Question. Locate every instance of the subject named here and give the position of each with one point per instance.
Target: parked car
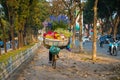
(84, 38)
(105, 40)
(118, 37)
(1, 44)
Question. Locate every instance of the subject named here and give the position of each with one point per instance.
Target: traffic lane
(88, 47)
(100, 51)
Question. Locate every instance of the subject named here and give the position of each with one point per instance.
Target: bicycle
(54, 59)
(54, 51)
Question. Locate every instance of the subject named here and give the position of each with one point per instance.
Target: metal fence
(10, 65)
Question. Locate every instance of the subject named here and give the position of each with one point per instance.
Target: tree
(24, 17)
(70, 6)
(94, 30)
(3, 26)
(23, 13)
(3, 29)
(81, 7)
(38, 12)
(88, 12)
(57, 7)
(9, 9)
(106, 10)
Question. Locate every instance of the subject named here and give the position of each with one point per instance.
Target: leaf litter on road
(70, 66)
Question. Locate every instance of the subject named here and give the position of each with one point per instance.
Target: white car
(84, 38)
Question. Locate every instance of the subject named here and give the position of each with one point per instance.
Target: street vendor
(54, 50)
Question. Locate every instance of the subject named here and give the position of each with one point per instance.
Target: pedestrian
(69, 44)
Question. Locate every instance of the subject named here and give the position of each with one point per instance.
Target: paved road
(102, 51)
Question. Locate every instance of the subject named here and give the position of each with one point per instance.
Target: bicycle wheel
(53, 61)
(114, 51)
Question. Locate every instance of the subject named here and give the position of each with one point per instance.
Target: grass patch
(4, 57)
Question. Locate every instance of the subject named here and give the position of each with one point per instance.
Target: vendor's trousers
(50, 56)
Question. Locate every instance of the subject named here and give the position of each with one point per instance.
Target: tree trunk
(22, 39)
(115, 27)
(11, 20)
(81, 26)
(5, 49)
(31, 33)
(94, 31)
(4, 40)
(21, 31)
(17, 42)
(0, 51)
(73, 27)
(12, 35)
(28, 35)
(4, 34)
(0, 46)
(73, 37)
(74, 31)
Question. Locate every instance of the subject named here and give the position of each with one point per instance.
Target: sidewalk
(70, 66)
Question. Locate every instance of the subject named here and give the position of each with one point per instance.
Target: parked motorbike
(118, 45)
(113, 48)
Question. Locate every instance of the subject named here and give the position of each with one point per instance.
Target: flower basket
(59, 43)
